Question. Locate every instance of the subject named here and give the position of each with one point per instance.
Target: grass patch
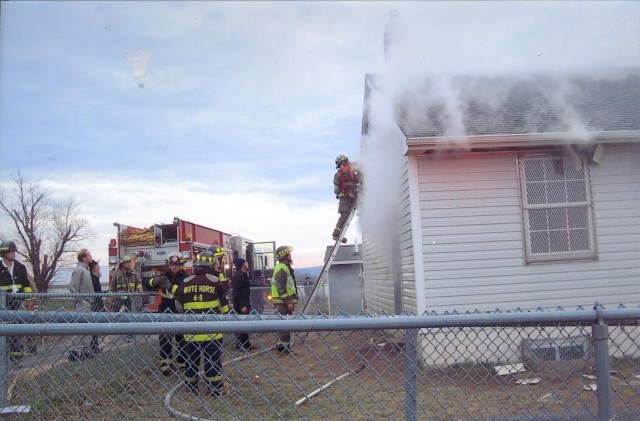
(124, 383)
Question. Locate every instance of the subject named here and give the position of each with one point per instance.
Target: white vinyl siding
(407, 270)
(381, 285)
(378, 288)
(472, 229)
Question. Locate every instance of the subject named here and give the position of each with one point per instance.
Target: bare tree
(47, 229)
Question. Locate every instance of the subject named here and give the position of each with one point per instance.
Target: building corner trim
(416, 234)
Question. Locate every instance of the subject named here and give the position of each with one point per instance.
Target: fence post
(410, 374)
(4, 359)
(600, 332)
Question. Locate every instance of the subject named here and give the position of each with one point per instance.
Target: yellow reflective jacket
(283, 288)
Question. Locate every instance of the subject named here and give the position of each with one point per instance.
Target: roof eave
(420, 145)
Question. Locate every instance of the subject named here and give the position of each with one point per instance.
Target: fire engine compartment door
(264, 255)
(157, 235)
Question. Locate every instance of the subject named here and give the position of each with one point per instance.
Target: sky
(231, 114)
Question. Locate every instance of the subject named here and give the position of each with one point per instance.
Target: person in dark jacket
(167, 284)
(258, 287)
(241, 298)
(94, 270)
(97, 304)
(13, 279)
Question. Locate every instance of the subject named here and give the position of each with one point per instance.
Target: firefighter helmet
(7, 246)
(206, 258)
(218, 251)
(175, 257)
(125, 259)
(282, 252)
(341, 159)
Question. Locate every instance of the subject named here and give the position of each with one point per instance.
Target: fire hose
(174, 412)
(326, 386)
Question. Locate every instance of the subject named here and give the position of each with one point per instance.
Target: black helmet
(205, 258)
(7, 246)
(341, 159)
(218, 251)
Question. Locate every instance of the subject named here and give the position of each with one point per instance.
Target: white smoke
(381, 162)
(418, 91)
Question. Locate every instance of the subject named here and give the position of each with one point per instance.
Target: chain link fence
(542, 365)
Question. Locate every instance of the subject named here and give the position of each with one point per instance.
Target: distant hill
(311, 272)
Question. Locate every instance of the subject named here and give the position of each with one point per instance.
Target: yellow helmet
(282, 252)
(125, 259)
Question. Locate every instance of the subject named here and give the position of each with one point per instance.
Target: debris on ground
(526, 382)
(503, 370)
(549, 396)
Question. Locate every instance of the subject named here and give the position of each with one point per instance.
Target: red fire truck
(149, 247)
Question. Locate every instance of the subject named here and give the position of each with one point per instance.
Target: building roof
(601, 106)
(346, 254)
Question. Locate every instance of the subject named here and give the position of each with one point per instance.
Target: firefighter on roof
(345, 186)
(197, 294)
(13, 279)
(284, 293)
(167, 284)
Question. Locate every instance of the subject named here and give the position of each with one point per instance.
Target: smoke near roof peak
(459, 69)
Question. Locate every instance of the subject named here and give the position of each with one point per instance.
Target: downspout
(416, 234)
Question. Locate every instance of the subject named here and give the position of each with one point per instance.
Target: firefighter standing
(125, 279)
(222, 285)
(13, 279)
(197, 294)
(168, 284)
(284, 293)
(345, 186)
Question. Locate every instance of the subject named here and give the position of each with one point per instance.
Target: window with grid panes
(558, 218)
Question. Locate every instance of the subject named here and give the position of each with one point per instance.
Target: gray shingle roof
(476, 106)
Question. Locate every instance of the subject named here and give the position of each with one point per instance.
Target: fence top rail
(103, 294)
(63, 322)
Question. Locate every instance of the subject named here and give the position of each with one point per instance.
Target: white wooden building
(535, 204)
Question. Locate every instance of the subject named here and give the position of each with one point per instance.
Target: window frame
(556, 256)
